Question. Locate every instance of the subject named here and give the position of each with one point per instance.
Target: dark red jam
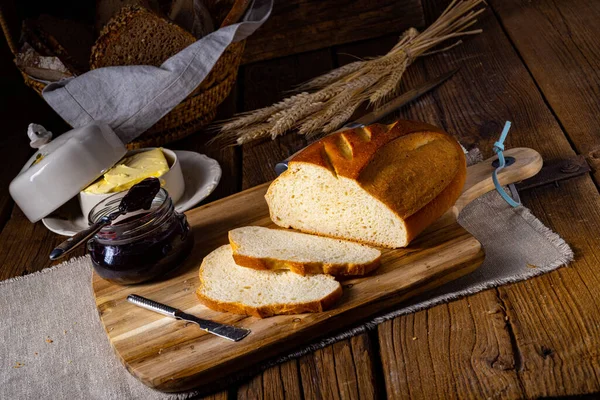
(143, 246)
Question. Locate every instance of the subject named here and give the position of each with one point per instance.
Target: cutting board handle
(528, 162)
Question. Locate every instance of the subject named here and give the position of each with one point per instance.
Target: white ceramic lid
(69, 163)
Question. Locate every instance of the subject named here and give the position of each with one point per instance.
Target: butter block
(129, 171)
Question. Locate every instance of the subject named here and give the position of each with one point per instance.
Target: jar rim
(160, 206)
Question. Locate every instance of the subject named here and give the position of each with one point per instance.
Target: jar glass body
(141, 246)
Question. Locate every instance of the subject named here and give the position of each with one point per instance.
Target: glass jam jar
(142, 245)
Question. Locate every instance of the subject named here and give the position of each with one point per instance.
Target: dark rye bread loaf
(137, 36)
(380, 185)
(106, 9)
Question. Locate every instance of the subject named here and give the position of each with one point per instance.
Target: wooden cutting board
(171, 355)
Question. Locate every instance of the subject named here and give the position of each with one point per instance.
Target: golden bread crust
(272, 264)
(271, 310)
(266, 310)
(415, 169)
(348, 152)
(337, 270)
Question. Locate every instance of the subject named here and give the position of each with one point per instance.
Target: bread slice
(275, 249)
(225, 286)
(380, 185)
(106, 9)
(137, 36)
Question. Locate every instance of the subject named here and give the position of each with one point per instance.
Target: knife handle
(152, 305)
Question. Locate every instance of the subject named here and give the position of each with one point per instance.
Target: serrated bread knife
(225, 331)
(382, 111)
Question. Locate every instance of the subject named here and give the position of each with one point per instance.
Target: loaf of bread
(380, 185)
(137, 36)
(276, 249)
(225, 286)
(106, 9)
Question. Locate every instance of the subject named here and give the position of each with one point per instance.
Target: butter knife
(382, 111)
(225, 331)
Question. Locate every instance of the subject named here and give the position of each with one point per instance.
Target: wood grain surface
(296, 26)
(166, 355)
(536, 65)
(559, 42)
(169, 356)
(496, 337)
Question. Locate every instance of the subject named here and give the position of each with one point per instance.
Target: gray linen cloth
(133, 98)
(54, 346)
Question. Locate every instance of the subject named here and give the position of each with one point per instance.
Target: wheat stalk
(254, 132)
(328, 101)
(285, 120)
(332, 76)
(389, 86)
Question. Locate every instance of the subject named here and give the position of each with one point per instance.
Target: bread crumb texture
(137, 36)
(226, 286)
(263, 248)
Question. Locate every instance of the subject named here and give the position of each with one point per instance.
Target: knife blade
(222, 330)
(382, 111)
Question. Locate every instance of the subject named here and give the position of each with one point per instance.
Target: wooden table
(537, 64)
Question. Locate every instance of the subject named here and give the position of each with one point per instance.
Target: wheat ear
(329, 100)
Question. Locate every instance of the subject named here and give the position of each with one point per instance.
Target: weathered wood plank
(426, 355)
(556, 317)
(511, 95)
(278, 382)
(494, 86)
(344, 370)
(217, 396)
(297, 26)
(558, 40)
(26, 246)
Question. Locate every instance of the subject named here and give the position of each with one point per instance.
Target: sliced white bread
(278, 249)
(225, 286)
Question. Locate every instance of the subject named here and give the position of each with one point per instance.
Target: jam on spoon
(140, 196)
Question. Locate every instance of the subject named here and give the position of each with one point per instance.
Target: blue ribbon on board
(498, 149)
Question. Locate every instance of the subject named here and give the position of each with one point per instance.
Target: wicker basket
(196, 111)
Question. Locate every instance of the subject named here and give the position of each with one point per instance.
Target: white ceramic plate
(201, 176)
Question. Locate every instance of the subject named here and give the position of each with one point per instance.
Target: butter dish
(201, 176)
(59, 170)
(171, 180)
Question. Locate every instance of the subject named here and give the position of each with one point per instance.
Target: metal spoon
(139, 197)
